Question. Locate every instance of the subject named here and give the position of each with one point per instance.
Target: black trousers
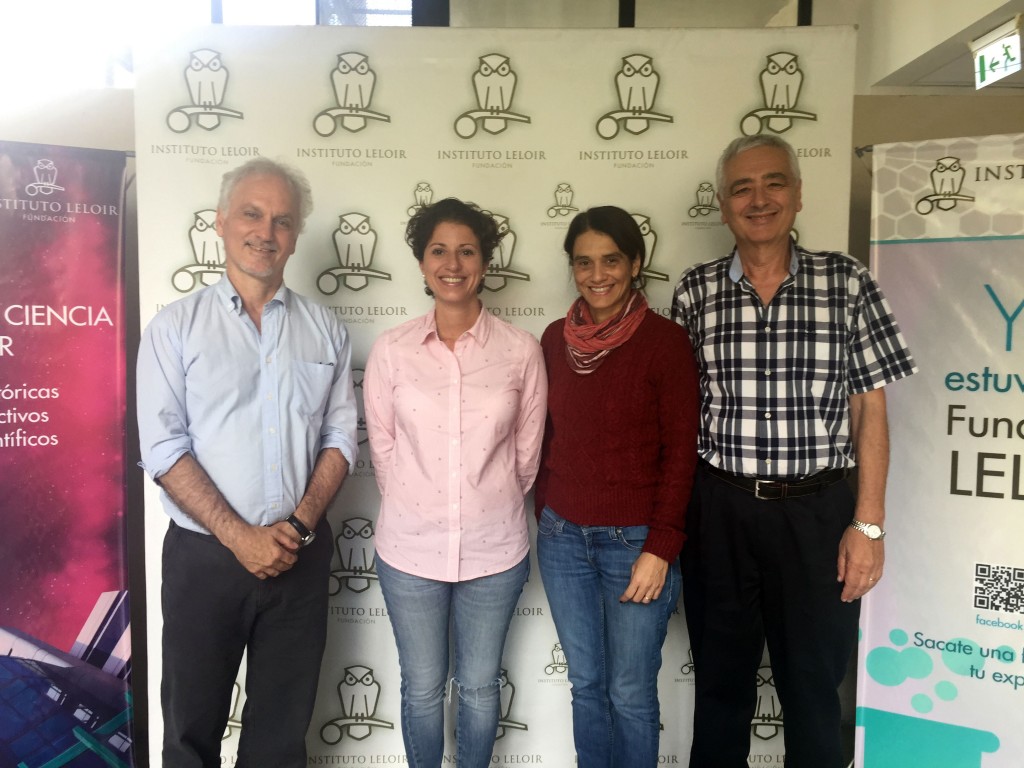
(759, 571)
(213, 610)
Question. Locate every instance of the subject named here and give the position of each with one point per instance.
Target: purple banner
(64, 644)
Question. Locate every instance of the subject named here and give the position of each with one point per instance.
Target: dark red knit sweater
(620, 446)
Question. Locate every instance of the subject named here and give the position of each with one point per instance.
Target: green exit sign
(995, 59)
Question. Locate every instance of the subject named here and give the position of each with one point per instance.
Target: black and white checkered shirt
(775, 381)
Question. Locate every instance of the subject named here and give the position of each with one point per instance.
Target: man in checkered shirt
(794, 348)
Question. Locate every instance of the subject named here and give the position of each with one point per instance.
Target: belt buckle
(768, 483)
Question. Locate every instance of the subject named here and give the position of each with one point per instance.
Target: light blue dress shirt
(254, 408)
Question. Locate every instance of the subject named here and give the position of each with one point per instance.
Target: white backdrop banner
(942, 656)
(533, 125)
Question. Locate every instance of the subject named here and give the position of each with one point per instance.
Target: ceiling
(952, 64)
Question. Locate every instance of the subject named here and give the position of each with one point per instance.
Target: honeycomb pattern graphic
(905, 205)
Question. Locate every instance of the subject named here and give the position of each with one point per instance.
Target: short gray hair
(262, 166)
(743, 143)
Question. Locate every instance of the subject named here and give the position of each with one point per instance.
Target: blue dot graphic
(921, 703)
(945, 690)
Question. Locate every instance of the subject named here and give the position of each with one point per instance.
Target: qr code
(999, 587)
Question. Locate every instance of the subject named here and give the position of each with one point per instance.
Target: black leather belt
(779, 489)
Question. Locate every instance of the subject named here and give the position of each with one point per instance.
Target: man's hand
(860, 564)
(265, 551)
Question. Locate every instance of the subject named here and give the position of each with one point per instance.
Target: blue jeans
(479, 612)
(613, 649)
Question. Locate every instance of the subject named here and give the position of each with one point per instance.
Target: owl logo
(423, 195)
(494, 84)
(356, 556)
(637, 84)
(357, 383)
(234, 722)
(563, 201)
(650, 243)
(507, 694)
(705, 200)
(206, 243)
(358, 693)
(781, 80)
(687, 668)
(207, 79)
(767, 721)
(500, 271)
(558, 662)
(947, 179)
(207, 253)
(45, 173)
(353, 82)
(354, 243)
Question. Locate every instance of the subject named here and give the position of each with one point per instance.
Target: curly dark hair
(421, 226)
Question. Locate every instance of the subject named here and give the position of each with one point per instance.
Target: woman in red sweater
(620, 448)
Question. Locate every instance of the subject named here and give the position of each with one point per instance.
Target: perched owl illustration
(780, 81)
(423, 193)
(206, 243)
(508, 693)
(494, 83)
(947, 178)
(207, 78)
(354, 241)
(767, 721)
(353, 82)
(503, 253)
(45, 172)
(355, 551)
(357, 384)
(650, 236)
(563, 195)
(358, 693)
(637, 83)
(705, 194)
(558, 656)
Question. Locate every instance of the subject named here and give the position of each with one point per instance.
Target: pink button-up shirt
(455, 439)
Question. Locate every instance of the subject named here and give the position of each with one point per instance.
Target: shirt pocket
(311, 387)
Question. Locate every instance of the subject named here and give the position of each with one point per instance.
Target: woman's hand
(648, 578)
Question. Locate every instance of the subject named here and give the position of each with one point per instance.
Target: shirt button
(767, 372)
(273, 467)
(272, 431)
(767, 461)
(270, 358)
(767, 415)
(768, 329)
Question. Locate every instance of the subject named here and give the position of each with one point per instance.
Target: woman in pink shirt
(455, 409)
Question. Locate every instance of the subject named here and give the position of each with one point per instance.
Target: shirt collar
(736, 268)
(233, 302)
(481, 329)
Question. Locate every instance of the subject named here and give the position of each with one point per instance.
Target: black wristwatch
(306, 536)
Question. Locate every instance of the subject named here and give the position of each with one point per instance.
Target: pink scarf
(588, 344)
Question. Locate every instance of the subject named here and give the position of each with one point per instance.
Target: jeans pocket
(632, 537)
(550, 524)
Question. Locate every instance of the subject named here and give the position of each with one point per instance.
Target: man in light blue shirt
(247, 422)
